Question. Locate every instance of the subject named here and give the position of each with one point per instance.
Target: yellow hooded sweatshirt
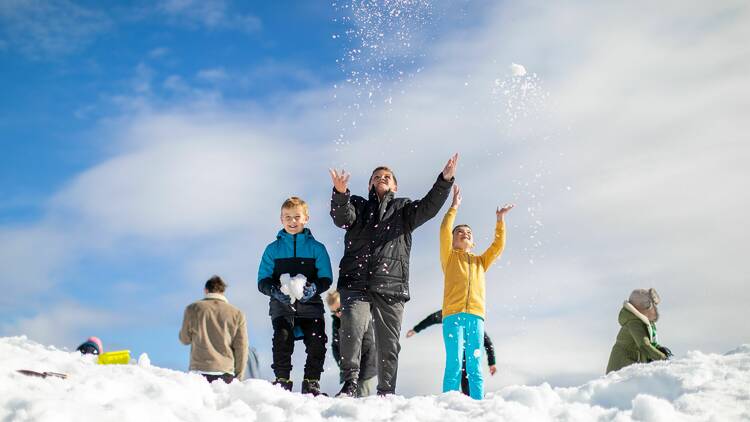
(464, 271)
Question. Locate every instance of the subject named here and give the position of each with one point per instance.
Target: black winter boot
(312, 387)
(348, 390)
(284, 383)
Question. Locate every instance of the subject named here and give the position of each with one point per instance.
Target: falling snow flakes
(521, 95)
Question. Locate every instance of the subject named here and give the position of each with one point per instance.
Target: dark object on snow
(312, 387)
(348, 390)
(45, 374)
(437, 318)
(92, 346)
(284, 383)
(664, 349)
(227, 378)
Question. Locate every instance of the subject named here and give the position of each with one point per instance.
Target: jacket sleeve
(639, 332)
(265, 272)
(496, 248)
(186, 336)
(446, 236)
(432, 319)
(343, 212)
(420, 211)
(490, 349)
(323, 267)
(240, 347)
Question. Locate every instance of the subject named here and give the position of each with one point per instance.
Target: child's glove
(664, 349)
(281, 297)
(308, 292)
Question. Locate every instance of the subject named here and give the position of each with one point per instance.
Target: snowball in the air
(517, 69)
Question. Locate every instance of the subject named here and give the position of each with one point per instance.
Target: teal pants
(463, 333)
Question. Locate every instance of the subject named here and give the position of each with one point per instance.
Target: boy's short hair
(459, 226)
(333, 297)
(386, 168)
(215, 285)
(295, 201)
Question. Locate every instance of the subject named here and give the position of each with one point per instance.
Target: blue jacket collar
(305, 234)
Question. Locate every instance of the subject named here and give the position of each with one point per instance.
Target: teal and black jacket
(295, 254)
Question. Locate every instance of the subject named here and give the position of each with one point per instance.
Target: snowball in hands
(293, 286)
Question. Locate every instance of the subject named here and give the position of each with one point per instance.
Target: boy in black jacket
(295, 252)
(374, 271)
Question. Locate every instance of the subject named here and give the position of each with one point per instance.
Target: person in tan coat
(217, 334)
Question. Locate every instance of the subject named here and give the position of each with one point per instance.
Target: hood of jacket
(629, 313)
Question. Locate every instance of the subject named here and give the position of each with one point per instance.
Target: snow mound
(697, 387)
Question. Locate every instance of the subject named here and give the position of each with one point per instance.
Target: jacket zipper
(295, 244)
(468, 292)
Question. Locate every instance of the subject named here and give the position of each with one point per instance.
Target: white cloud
(212, 75)
(49, 28)
(158, 52)
(211, 14)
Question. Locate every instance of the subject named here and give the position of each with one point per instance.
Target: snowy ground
(699, 387)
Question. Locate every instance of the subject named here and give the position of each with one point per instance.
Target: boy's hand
(410, 333)
(449, 171)
(504, 210)
(493, 369)
(340, 180)
(456, 197)
(281, 297)
(308, 292)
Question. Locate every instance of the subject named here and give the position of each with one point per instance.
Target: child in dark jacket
(295, 252)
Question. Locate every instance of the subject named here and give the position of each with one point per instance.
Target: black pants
(314, 337)
(227, 378)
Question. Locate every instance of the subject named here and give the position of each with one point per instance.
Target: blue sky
(148, 145)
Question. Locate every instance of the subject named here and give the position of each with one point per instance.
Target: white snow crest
(698, 387)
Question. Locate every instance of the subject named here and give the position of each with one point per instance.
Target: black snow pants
(314, 337)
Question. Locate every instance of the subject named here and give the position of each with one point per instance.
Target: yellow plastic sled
(117, 357)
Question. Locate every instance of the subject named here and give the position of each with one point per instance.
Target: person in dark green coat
(636, 342)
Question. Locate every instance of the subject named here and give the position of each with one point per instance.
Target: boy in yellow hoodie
(463, 296)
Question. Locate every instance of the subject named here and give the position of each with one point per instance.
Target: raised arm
(446, 227)
(343, 212)
(498, 243)
(420, 211)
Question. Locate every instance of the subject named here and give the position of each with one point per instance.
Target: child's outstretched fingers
(340, 180)
(504, 210)
(456, 197)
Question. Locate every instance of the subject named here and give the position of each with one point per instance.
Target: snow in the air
(699, 387)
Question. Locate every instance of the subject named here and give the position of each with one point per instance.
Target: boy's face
(294, 219)
(463, 238)
(383, 182)
(336, 308)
